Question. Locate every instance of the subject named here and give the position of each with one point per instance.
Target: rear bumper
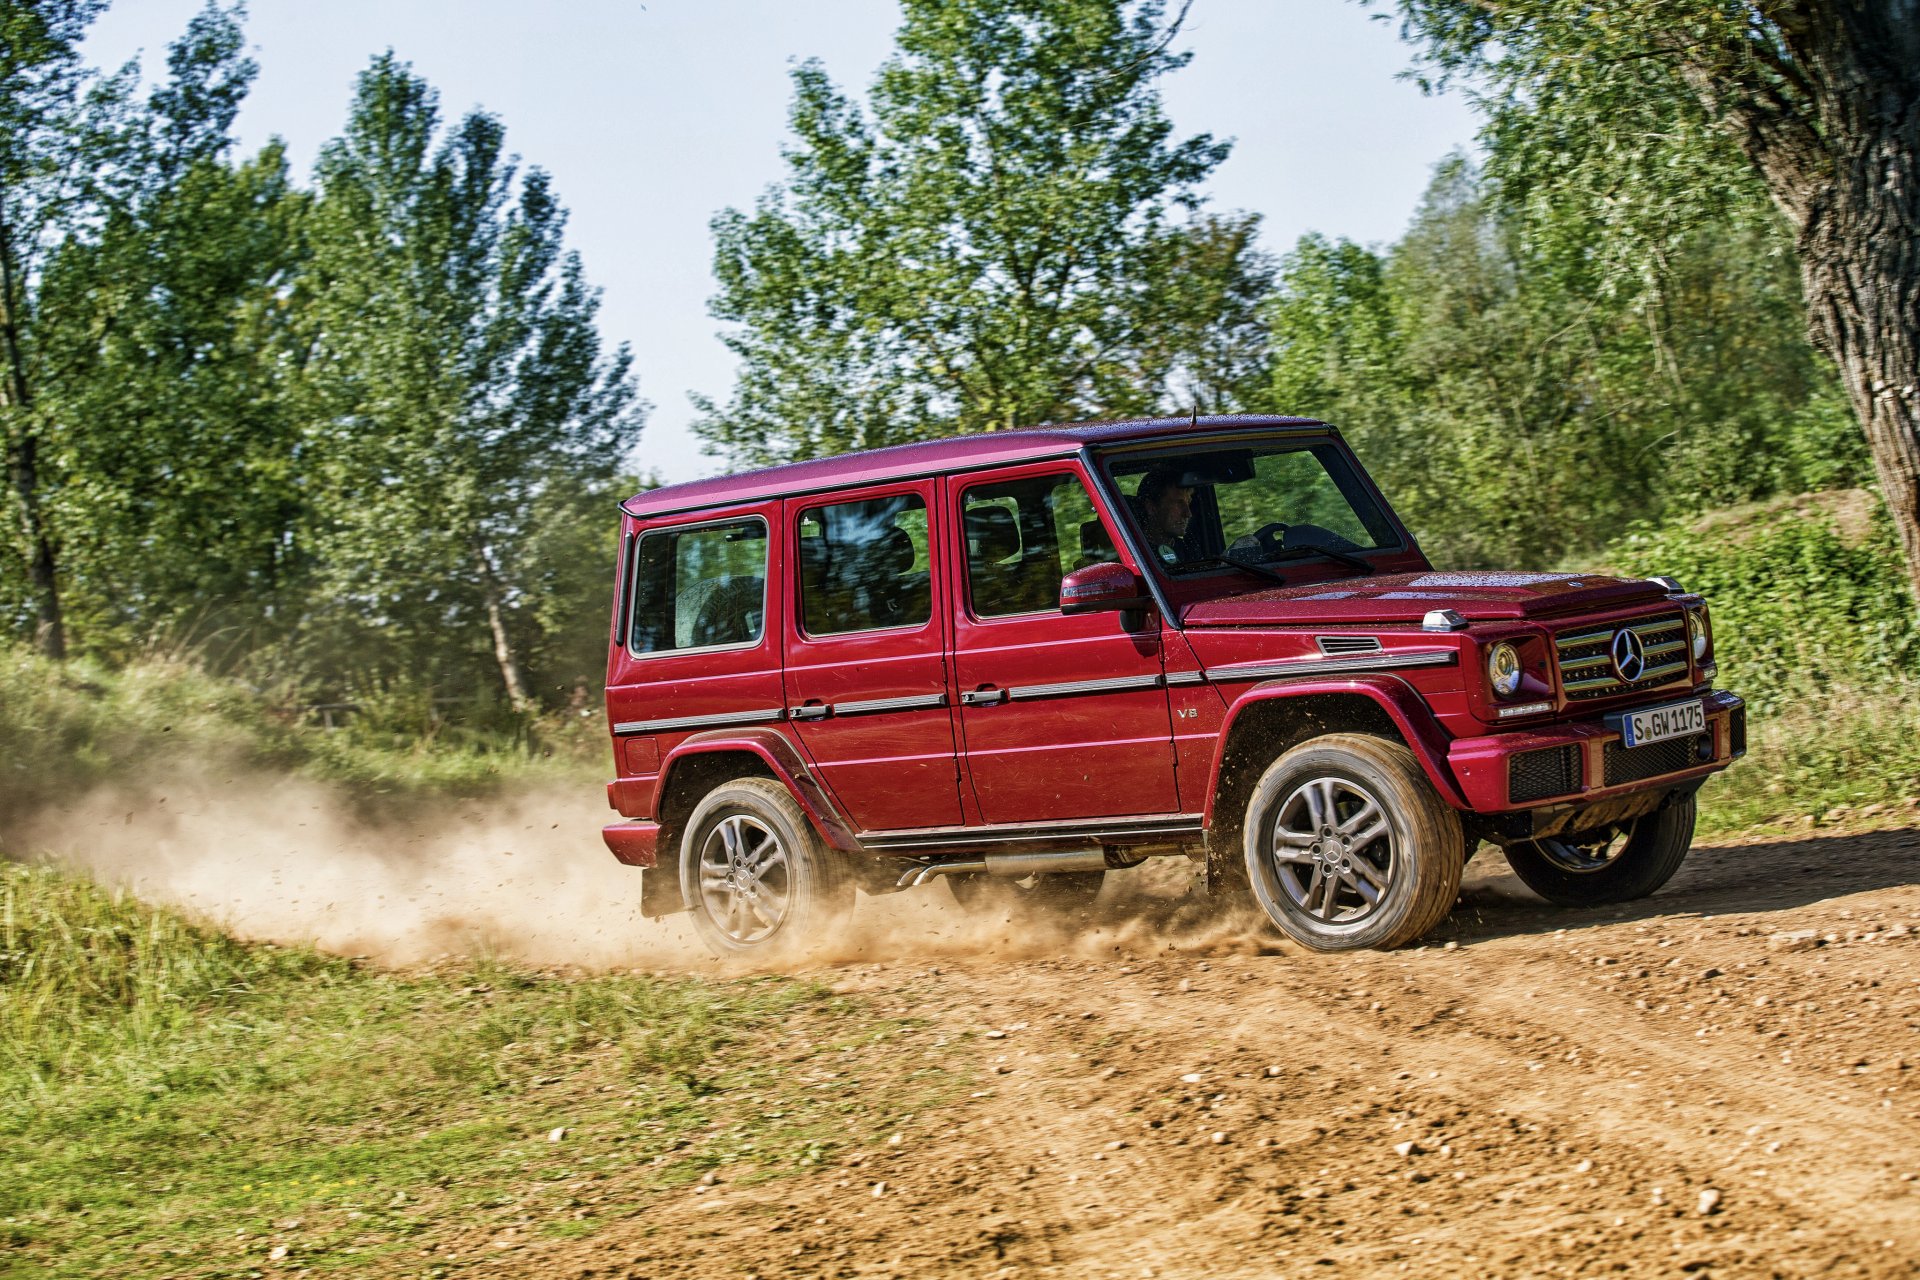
(1584, 760)
(635, 843)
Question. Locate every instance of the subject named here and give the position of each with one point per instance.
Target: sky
(654, 116)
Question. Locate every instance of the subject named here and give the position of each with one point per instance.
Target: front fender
(788, 767)
(1393, 695)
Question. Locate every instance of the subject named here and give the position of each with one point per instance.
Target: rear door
(866, 674)
(1061, 717)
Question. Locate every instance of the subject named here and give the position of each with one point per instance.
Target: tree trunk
(23, 461)
(1860, 264)
(503, 651)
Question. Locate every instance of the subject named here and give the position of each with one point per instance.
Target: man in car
(1166, 508)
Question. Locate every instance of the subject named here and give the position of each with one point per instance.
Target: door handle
(983, 697)
(814, 710)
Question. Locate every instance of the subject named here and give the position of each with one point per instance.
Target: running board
(1096, 831)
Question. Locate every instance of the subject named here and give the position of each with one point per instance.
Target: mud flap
(1226, 867)
(660, 892)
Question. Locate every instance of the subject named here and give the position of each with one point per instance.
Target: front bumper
(1584, 760)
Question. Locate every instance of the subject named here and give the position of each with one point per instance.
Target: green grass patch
(66, 727)
(174, 1101)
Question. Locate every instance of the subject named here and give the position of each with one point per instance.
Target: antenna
(1196, 413)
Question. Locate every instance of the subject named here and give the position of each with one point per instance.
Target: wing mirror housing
(1103, 588)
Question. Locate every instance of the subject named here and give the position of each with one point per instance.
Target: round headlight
(1503, 669)
(1697, 628)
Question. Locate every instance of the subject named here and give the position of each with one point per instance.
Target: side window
(1023, 536)
(700, 587)
(863, 566)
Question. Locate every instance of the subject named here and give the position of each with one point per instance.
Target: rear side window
(863, 566)
(1023, 536)
(700, 588)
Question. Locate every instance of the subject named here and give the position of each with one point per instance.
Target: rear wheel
(758, 878)
(1616, 863)
(1349, 846)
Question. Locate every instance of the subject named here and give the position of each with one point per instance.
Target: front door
(1061, 717)
(866, 674)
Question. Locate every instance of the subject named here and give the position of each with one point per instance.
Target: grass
(173, 1101)
(65, 727)
(1835, 754)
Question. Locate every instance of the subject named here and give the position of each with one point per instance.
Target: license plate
(1657, 724)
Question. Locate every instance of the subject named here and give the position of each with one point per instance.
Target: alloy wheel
(1332, 850)
(746, 879)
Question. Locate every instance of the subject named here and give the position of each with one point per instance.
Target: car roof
(933, 457)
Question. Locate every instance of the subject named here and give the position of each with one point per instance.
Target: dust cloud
(525, 878)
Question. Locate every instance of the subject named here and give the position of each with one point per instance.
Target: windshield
(1196, 506)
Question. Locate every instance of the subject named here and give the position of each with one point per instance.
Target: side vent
(1340, 646)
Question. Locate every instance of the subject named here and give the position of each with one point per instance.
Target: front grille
(1536, 775)
(1586, 658)
(1632, 764)
(1737, 732)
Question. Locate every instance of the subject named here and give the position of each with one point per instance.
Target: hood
(1408, 597)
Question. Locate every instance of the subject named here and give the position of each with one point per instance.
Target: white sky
(653, 116)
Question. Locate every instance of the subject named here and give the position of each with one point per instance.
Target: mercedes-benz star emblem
(1629, 656)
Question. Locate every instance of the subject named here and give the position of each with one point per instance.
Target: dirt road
(1724, 1080)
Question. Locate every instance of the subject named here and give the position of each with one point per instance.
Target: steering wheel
(1266, 539)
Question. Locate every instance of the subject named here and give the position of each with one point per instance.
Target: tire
(1360, 806)
(1616, 864)
(758, 878)
(1066, 893)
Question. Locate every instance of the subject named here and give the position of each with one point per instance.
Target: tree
(1653, 115)
(1477, 357)
(161, 329)
(458, 378)
(45, 116)
(1006, 234)
(124, 249)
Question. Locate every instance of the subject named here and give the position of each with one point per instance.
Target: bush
(1801, 605)
(1815, 627)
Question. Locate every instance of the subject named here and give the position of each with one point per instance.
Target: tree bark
(504, 653)
(23, 460)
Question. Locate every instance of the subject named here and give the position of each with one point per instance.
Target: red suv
(1020, 660)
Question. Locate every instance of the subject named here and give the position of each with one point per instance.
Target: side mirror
(1103, 588)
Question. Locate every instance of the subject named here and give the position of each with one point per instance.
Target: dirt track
(1577, 1089)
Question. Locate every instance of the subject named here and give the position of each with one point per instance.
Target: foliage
(1007, 233)
(1813, 626)
(423, 1101)
(1472, 361)
(1799, 608)
(1654, 122)
(457, 376)
(332, 438)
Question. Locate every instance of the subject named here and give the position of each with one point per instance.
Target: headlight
(1697, 628)
(1503, 669)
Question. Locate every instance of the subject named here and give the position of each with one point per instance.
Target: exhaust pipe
(1014, 866)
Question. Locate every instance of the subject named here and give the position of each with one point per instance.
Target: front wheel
(1349, 846)
(758, 878)
(1618, 863)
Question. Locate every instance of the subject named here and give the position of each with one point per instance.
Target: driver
(1166, 508)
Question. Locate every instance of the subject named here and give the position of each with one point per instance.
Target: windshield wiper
(1208, 562)
(1316, 548)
